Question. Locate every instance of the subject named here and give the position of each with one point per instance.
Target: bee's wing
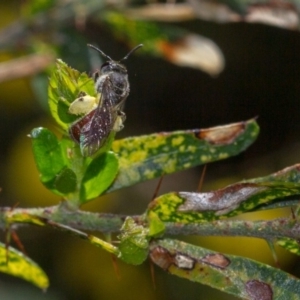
(94, 133)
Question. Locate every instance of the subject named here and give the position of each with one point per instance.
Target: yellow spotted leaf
(151, 156)
(19, 265)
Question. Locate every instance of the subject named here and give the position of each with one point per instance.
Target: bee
(103, 113)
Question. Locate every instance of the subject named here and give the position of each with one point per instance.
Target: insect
(102, 114)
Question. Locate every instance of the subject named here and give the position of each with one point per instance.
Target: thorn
(14, 206)
(152, 271)
(199, 188)
(8, 234)
(18, 242)
(115, 265)
(157, 187)
(107, 237)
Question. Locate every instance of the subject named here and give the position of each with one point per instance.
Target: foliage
(78, 179)
(122, 163)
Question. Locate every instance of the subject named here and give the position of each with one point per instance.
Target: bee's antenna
(130, 52)
(105, 55)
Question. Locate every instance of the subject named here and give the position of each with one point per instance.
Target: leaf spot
(184, 262)
(221, 135)
(162, 257)
(216, 260)
(258, 290)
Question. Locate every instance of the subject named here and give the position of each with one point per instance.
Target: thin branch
(25, 66)
(272, 229)
(81, 220)
(105, 223)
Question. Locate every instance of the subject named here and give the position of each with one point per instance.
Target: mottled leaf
(238, 276)
(98, 176)
(189, 207)
(64, 87)
(290, 174)
(19, 265)
(289, 244)
(151, 156)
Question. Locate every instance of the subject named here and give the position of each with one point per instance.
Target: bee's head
(112, 65)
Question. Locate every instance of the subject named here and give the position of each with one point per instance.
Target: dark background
(261, 79)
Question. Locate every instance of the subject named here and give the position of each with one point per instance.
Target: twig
(82, 220)
(271, 229)
(25, 66)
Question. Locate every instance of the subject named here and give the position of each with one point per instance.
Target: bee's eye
(105, 65)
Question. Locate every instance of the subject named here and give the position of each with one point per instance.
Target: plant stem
(106, 223)
(76, 219)
(271, 229)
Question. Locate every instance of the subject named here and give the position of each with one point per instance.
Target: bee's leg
(119, 121)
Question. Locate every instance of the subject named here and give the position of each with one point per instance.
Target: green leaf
(66, 181)
(99, 175)
(47, 154)
(238, 276)
(52, 162)
(151, 156)
(21, 266)
(64, 87)
(134, 242)
(156, 226)
(65, 172)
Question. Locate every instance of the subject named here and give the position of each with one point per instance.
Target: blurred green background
(261, 78)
